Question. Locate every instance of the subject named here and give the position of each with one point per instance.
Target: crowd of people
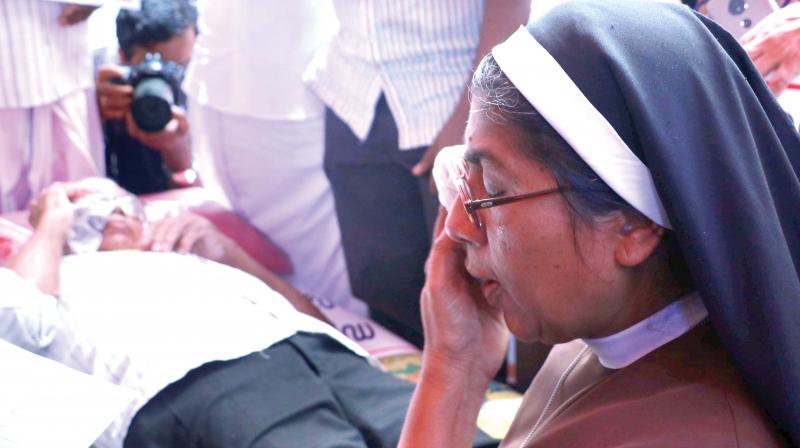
(614, 179)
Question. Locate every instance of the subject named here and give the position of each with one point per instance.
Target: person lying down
(212, 344)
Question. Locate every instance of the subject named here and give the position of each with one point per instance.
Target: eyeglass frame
(471, 206)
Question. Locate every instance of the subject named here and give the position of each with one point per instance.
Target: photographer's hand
(114, 99)
(172, 141)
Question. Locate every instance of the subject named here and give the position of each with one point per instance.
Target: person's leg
(271, 172)
(270, 399)
(14, 153)
(64, 147)
(384, 231)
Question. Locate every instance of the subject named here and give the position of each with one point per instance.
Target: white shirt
(250, 56)
(143, 320)
(41, 61)
(419, 55)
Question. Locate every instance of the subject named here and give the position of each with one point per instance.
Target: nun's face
(553, 280)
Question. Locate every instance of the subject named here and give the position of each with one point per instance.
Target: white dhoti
(271, 172)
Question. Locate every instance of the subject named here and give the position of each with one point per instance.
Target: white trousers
(61, 141)
(271, 172)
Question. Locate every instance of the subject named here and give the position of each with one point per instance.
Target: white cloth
(265, 45)
(40, 60)
(27, 317)
(444, 174)
(260, 139)
(143, 320)
(418, 54)
(626, 347)
(60, 141)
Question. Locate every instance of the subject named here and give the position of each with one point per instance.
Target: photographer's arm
(172, 142)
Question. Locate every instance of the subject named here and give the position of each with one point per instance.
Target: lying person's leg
(374, 401)
(272, 398)
(305, 391)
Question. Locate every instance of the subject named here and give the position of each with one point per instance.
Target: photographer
(147, 159)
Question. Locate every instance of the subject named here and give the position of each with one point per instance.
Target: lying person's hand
(774, 47)
(461, 328)
(53, 212)
(114, 99)
(187, 232)
(74, 191)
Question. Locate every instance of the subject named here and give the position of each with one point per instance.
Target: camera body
(156, 86)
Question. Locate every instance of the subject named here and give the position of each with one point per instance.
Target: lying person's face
(123, 231)
(553, 278)
(120, 219)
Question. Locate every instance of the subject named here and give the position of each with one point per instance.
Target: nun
(628, 192)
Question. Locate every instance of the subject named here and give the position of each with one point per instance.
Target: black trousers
(386, 216)
(307, 391)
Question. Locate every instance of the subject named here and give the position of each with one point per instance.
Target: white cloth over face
(418, 54)
(143, 320)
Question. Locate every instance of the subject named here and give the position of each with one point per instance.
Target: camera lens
(152, 104)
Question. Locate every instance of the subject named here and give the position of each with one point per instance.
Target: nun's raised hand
(462, 331)
(774, 47)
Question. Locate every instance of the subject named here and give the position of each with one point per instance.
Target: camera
(156, 86)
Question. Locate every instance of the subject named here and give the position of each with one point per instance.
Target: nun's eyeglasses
(471, 206)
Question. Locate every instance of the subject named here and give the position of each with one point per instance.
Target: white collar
(624, 348)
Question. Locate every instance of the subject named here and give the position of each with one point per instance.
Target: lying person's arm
(39, 259)
(31, 318)
(191, 233)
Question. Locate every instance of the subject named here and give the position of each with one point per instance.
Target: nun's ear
(637, 239)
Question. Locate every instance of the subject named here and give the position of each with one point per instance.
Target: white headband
(551, 91)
